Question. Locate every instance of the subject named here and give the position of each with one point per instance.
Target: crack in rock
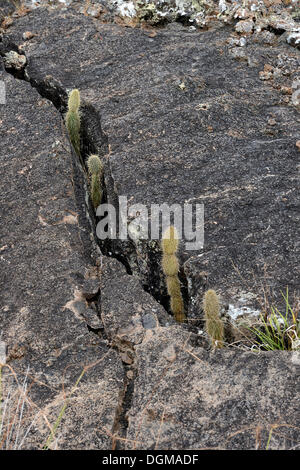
(87, 302)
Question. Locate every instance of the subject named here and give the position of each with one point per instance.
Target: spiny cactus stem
(72, 119)
(213, 323)
(95, 165)
(96, 171)
(170, 266)
(96, 192)
(74, 100)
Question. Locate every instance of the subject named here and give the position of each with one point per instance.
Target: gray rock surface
(187, 144)
(184, 117)
(43, 268)
(189, 398)
(121, 298)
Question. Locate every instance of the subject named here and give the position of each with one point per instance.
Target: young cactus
(96, 171)
(170, 268)
(72, 119)
(213, 323)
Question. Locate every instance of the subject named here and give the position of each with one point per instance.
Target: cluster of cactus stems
(72, 119)
(96, 171)
(170, 268)
(213, 323)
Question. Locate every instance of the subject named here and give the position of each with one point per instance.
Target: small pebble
(287, 90)
(244, 26)
(28, 35)
(130, 374)
(265, 75)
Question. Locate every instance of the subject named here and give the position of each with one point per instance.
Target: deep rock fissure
(121, 422)
(90, 120)
(93, 140)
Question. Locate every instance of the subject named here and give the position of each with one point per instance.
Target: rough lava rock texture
(188, 122)
(281, 16)
(189, 398)
(44, 263)
(177, 116)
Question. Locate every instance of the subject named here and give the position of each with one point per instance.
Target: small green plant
(213, 323)
(72, 119)
(278, 331)
(170, 268)
(96, 171)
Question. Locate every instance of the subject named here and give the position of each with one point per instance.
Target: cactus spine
(170, 268)
(96, 171)
(73, 119)
(213, 323)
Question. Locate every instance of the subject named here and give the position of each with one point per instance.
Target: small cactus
(213, 323)
(96, 171)
(170, 268)
(74, 100)
(72, 119)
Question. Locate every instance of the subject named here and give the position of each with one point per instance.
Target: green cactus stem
(170, 266)
(213, 323)
(72, 119)
(96, 171)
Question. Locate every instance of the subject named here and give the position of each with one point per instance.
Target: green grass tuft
(278, 331)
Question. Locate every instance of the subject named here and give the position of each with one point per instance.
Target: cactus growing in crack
(213, 323)
(96, 171)
(72, 119)
(170, 266)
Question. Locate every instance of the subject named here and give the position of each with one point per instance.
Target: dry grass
(19, 414)
(21, 9)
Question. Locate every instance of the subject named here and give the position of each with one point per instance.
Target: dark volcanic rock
(187, 122)
(188, 398)
(44, 259)
(127, 310)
